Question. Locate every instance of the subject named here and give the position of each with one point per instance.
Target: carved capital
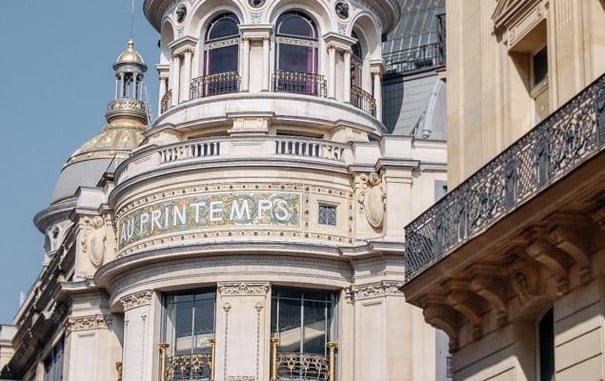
(243, 289)
(89, 322)
(137, 299)
(375, 290)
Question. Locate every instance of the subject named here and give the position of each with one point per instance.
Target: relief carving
(137, 299)
(372, 198)
(375, 290)
(83, 323)
(93, 239)
(240, 289)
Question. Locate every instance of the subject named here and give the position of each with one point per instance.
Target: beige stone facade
(511, 263)
(254, 231)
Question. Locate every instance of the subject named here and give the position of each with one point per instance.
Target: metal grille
(555, 147)
(363, 100)
(327, 215)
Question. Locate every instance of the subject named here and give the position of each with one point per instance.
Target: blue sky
(57, 79)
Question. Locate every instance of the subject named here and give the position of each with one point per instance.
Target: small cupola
(129, 98)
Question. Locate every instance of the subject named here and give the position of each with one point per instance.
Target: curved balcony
(363, 100)
(551, 152)
(227, 148)
(299, 83)
(215, 84)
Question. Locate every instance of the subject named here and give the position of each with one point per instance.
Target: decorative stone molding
(136, 300)
(372, 198)
(243, 289)
(241, 378)
(374, 290)
(547, 254)
(83, 323)
(93, 239)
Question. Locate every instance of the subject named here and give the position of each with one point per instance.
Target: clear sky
(57, 79)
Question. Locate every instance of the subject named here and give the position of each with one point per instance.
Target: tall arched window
(296, 55)
(221, 58)
(360, 98)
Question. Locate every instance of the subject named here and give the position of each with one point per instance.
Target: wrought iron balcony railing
(561, 143)
(363, 100)
(299, 83)
(215, 84)
(165, 101)
(192, 366)
(301, 366)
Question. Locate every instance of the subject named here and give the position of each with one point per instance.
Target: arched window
(359, 98)
(296, 55)
(221, 58)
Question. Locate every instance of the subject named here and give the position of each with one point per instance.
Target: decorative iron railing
(423, 56)
(215, 84)
(562, 142)
(363, 100)
(299, 83)
(298, 366)
(165, 101)
(192, 366)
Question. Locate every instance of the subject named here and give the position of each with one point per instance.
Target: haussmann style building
(254, 230)
(511, 262)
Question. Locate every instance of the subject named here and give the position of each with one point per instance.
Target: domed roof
(129, 56)
(127, 118)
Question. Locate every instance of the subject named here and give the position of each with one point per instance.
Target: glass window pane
(540, 66)
(296, 25)
(297, 58)
(222, 60)
(289, 325)
(225, 26)
(314, 334)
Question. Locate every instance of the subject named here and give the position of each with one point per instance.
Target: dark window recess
(327, 215)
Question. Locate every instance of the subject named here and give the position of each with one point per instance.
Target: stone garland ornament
(93, 239)
(372, 199)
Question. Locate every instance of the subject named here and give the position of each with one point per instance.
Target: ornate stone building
(511, 262)
(253, 231)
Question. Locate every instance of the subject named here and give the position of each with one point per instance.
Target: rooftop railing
(261, 147)
(561, 143)
(423, 56)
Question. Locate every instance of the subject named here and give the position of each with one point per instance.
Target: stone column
(332, 71)
(188, 54)
(245, 65)
(347, 76)
(175, 75)
(377, 91)
(140, 349)
(266, 62)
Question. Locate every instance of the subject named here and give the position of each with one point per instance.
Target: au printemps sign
(210, 210)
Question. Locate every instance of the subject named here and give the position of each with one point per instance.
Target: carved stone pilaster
(137, 299)
(242, 289)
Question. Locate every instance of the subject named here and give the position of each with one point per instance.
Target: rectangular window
(539, 84)
(327, 214)
(53, 363)
(189, 330)
(304, 322)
